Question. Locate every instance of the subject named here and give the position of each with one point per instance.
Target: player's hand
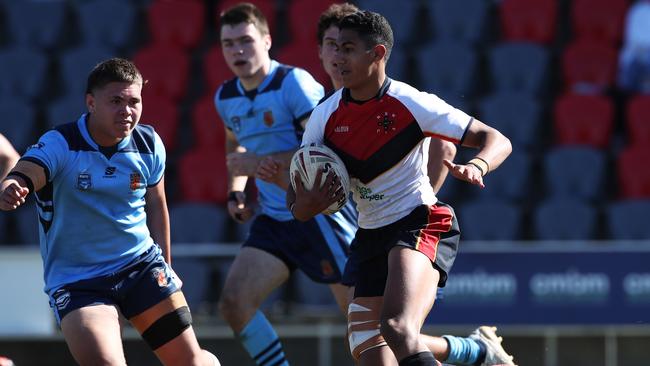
(468, 173)
(269, 170)
(238, 209)
(242, 163)
(12, 196)
(311, 202)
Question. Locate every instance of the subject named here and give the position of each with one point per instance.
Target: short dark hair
(372, 27)
(245, 13)
(112, 70)
(332, 16)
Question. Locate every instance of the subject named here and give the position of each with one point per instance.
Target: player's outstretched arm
(24, 178)
(493, 147)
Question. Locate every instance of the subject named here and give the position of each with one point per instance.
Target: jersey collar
(82, 123)
(347, 98)
(269, 77)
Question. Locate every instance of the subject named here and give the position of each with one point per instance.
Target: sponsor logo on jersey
(236, 123)
(342, 129)
(61, 299)
(135, 180)
(365, 193)
(385, 122)
(84, 181)
(268, 118)
(110, 172)
(39, 145)
(160, 275)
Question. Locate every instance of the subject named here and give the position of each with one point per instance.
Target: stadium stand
(177, 22)
(515, 114)
(600, 20)
(166, 67)
(584, 120)
(206, 124)
(491, 220)
(529, 20)
(400, 14)
(563, 218)
(589, 66)
(202, 175)
(447, 69)
(638, 120)
(302, 17)
(634, 181)
(75, 64)
(575, 172)
(195, 222)
(65, 109)
(509, 183)
(19, 122)
(628, 220)
(460, 20)
(106, 24)
(215, 69)
(23, 71)
(45, 26)
(519, 67)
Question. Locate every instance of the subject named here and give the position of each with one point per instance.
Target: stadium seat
(489, 220)
(638, 120)
(312, 298)
(203, 176)
(447, 68)
(18, 122)
(584, 119)
(565, 219)
(575, 171)
(529, 20)
(589, 66)
(517, 115)
(209, 130)
(397, 66)
(66, 109)
(166, 68)
(26, 223)
(628, 220)
(196, 275)
(215, 69)
(303, 17)
(519, 67)
(177, 22)
(5, 230)
(23, 72)
(305, 55)
(107, 24)
(599, 20)
(459, 20)
(193, 222)
(510, 183)
(76, 64)
(400, 14)
(268, 8)
(35, 23)
(162, 113)
(633, 175)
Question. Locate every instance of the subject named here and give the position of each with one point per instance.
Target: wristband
(28, 180)
(232, 196)
(480, 164)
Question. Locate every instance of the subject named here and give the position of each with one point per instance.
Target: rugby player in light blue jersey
(264, 110)
(104, 226)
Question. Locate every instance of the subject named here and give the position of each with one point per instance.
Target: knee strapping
(168, 327)
(363, 325)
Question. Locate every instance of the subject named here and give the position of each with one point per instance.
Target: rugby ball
(309, 159)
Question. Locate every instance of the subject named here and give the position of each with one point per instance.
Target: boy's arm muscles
(33, 171)
(493, 146)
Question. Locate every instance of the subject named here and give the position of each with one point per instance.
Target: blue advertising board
(546, 287)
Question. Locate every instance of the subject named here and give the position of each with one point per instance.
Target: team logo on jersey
(61, 299)
(326, 267)
(160, 275)
(110, 171)
(39, 145)
(236, 123)
(84, 181)
(135, 180)
(268, 118)
(342, 129)
(385, 122)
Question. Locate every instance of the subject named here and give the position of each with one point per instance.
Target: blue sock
(262, 343)
(464, 351)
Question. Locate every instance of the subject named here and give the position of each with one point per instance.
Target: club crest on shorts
(160, 275)
(326, 267)
(268, 118)
(84, 181)
(61, 299)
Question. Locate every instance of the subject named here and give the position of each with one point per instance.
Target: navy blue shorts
(142, 284)
(318, 247)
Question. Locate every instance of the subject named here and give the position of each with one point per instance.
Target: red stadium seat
(529, 20)
(203, 176)
(638, 120)
(584, 120)
(177, 22)
(162, 113)
(633, 175)
(268, 8)
(305, 55)
(303, 18)
(215, 69)
(206, 123)
(600, 20)
(589, 66)
(166, 69)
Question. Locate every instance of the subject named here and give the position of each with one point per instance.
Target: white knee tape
(363, 325)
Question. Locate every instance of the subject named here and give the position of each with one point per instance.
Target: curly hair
(372, 27)
(332, 16)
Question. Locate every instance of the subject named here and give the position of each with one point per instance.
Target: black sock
(419, 359)
(482, 353)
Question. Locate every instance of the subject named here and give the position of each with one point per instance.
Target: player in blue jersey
(263, 110)
(104, 226)
(8, 156)
(407, 240)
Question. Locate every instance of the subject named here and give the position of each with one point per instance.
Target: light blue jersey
(267, 120)
(91, 211)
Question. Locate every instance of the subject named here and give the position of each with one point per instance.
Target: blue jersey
(267, 120)
(91, 211)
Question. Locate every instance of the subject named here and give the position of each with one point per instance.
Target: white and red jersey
(383, 143)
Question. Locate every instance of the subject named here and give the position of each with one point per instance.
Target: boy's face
(116, 109)
(244, 48)
(327, 52)
(355, 62)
